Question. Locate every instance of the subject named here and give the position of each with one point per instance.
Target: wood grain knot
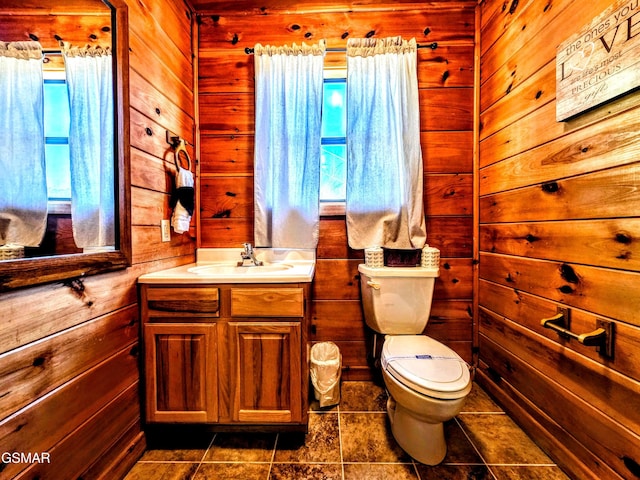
(623, 238)
(566, 289)
(38, 361)
(550, 187)
(632, 465)
(568, 273)
(222, 214)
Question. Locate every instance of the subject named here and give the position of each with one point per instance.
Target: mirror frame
(39, 270)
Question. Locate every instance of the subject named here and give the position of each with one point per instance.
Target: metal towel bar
(601, 337)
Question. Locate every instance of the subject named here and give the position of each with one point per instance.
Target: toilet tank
(397, 300)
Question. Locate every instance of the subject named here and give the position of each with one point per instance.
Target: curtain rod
(432, 46)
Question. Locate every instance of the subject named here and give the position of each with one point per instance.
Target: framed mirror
(77, 22)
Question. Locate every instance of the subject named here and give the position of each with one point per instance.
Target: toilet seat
(426, 366)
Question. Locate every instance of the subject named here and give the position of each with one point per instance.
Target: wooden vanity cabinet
(231, 354)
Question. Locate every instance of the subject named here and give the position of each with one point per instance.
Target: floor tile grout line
(204, 455)
(235, 462)
(415, 469)
(484, 461)
(482, 413)
(372, 412)
(450, 464)
(273, 455)
(268, 462)
(151, 462)
(348, 412)
(340, 442)
(379, 463)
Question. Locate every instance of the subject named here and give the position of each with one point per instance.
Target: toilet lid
(426, 366)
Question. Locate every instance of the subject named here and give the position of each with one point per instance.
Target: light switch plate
(166, 230)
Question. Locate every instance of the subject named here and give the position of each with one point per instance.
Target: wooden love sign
(600, 62)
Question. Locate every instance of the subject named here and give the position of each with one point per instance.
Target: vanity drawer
(184, 300)
(267, 302)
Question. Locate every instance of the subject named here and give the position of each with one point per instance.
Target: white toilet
(426, 380)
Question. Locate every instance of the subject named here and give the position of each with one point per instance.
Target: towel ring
(181, 148)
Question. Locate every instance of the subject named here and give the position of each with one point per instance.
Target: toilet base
(423, 441)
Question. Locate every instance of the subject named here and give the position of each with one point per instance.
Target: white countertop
(282, 266)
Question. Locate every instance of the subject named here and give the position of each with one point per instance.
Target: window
(333, 166)
(56, 133)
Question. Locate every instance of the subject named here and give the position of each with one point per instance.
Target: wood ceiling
(53, 7)
(218, 6)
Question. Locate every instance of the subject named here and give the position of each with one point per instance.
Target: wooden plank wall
(446, 75)
(559, 226)
(69, 376)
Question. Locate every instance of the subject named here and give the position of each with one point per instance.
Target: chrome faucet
(249, 257)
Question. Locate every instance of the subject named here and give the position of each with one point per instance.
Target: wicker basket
(11, 252)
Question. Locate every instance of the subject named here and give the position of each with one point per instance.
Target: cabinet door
(181, 373)
(266, 372)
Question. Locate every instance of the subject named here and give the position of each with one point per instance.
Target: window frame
(334, 207)
(56, 205)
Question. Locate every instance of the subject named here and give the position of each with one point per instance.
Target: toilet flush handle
(374, 285)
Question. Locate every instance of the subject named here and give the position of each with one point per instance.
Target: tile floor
(353, 441)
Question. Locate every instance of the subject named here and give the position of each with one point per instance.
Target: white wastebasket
(326, 368)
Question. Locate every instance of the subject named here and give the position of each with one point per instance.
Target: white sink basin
(220, 265)
(233, 269)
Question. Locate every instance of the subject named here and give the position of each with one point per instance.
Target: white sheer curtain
(23, 182)
(91, 146)
(384, 168)
(288, 103)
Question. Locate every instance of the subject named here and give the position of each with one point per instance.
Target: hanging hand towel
(182, 201)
